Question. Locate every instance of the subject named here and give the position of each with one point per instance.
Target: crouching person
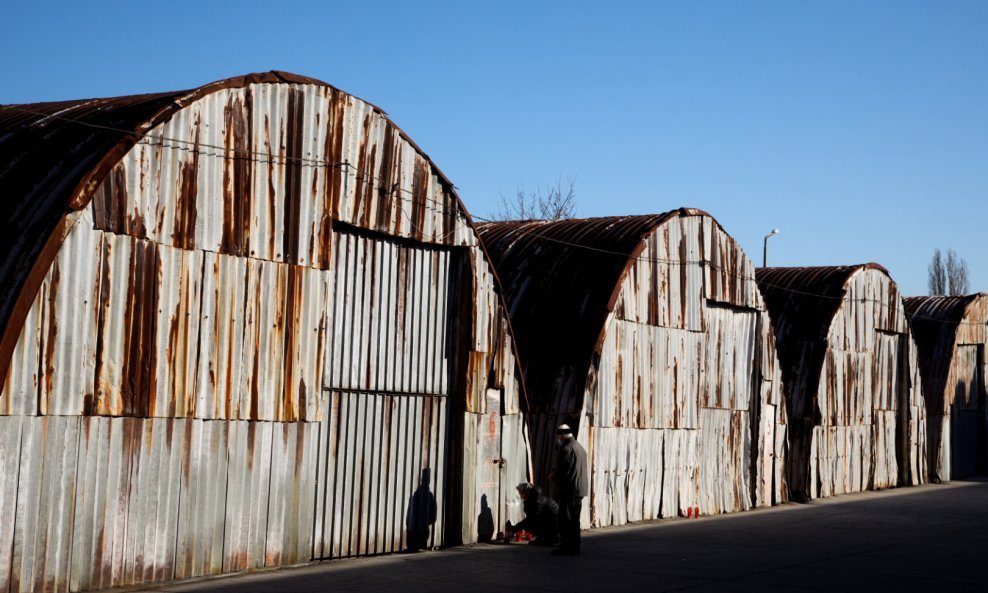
(541, 516)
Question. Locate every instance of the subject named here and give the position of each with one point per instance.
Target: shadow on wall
(421, 515)
(485, 522)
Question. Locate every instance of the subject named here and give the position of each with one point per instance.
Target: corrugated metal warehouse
(950, 337)
(851, 379)
(244, 325)
(649, 334)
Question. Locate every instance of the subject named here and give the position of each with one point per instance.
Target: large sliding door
(967, 422)
(383, 466)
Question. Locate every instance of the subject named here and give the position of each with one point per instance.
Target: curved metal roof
(54, 155)
(561, 279)
(935, 322)
(802, 302)
(938, 309)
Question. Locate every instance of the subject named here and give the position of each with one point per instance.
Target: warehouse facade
(857, 419)
(649, 335)
(950, 339)
(244, 325)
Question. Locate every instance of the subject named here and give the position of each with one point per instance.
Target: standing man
(572, 485)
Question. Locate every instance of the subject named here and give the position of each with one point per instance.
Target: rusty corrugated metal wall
(950, 334)
(857, 418)
(650, 333)
(262, 331)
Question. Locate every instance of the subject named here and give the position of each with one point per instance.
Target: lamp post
(765, 247)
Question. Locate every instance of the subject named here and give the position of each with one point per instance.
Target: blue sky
(858, 128)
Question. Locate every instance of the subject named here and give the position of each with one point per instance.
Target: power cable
(227, 153)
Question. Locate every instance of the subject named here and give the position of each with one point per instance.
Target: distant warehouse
(649, 335)
(857, 420)
(950, 333)
(244, 325)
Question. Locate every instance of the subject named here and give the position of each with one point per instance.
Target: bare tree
(948, 277)
(555, 203)
(937, 276)
(957, 282)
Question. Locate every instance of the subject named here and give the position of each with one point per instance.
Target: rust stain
(139, 375)
(51, 340)
(272, 194)
(237, 175)
(110, 210)
(684, 287)
(334, 179)
(186, 208)
(363, 183)
(294, 135)
(102, 311)
(371, 186)
(420, 185)
(388, 184)
(294, 310)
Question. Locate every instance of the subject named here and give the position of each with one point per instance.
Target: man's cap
(564, 429)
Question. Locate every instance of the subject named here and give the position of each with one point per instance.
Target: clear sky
(859, 128)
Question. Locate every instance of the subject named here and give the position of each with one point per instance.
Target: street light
(765, 247)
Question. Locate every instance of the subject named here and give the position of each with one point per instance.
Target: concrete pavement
(930, 538)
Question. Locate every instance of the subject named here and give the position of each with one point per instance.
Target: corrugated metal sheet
(214, 289)
(37, 187)
(390, 317)
(338, 159)
(950, 334)
(215, 168)
(514, 466)
(648, 377)
(115, 501)
(383, 466)
(118, 330)
(55, 352)
(650, 333)
(535, 259)
(856, 414)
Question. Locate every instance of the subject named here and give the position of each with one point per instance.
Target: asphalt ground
(928, 538)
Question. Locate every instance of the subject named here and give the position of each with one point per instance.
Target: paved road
(931, 538)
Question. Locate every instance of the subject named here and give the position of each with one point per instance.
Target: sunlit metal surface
(857, 418)
(227, 333)
(649, 333)
(950, 333)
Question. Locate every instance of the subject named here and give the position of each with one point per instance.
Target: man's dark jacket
(571, 470)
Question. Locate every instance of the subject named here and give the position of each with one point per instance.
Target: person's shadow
(421, 515)
(485, 522)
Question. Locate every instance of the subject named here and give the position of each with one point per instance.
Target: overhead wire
(263, 157)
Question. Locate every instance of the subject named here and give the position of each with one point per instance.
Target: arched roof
(939, 309)
(935, 322)
(802, 302)
(561, 279)
(53, 156)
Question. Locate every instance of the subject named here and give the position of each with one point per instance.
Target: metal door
(967, 413)
(383, 462)
(489, 464)
(382, 474)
